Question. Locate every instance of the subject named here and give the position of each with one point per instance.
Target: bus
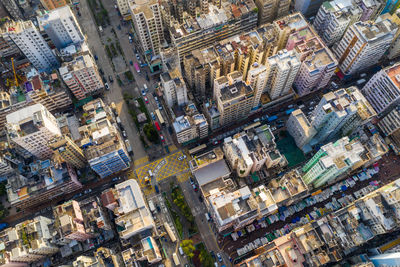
(251, 126)
(160, 118)
(137, 67)
(197, 149)
(169, 232)
(176, 260)
(157, 126)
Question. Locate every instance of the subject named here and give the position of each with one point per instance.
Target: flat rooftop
(211, 172)
(231, 92)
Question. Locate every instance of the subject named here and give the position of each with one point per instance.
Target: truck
(128, 147)
(118, 120)
(151, 206)
(176, 260)
(272, 118)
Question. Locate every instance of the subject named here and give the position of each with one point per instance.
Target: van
(145, 87)
(150, 173)
(180, 250)
(207, 217)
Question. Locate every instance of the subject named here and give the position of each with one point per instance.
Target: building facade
(53, 4)
(65, 147)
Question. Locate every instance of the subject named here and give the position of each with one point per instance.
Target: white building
(175, 91)
(300, 129)
(257, 79)
(128, 204)
(147, 21)
(333, 19)
(123, 6)
(282, 69)
(32, 128)
(29, 40)
(390, 125)
(81, 76)
(61, 26)
(394, 50)
(363, 45)
(383, 89)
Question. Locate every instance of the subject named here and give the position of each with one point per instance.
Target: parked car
(219, 257)
(182, 157)
(200, 199)
(131, 63)
(110, 78)
(153, 116)
(146, 100)
(124, 134)
(273, 128)
(162, 138)
(107, 86)
(101, 71)
(195, 188)
(143, 92)
(95, 57)
(191, 180)
(130, 39)
(137, 56)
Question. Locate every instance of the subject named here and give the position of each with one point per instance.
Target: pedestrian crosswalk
(141, 161)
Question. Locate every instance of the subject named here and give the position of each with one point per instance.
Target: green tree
(205, 258)
(188, 248)
(3, 189)
(151, 133)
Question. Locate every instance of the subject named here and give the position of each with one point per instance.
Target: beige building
(147, 22)
(394, 49)
(257, 79)
(193, 125)
(65, 147)
(82, 76)
(234, 102)
(269, 10)
(31, 128)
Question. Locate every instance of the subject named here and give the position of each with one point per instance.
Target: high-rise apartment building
(257, 79)
(31, 43)
(64, 147)
(69, 221)
(28, 242)
(308, 7)
(53, 4)
(363, 44)
(234, 102)
(390, 125)
(13, 9)
(82, 76)
(282, 69)
(202, 31)
(383, 89)
(394, 49)
(174, 88)
(333, 19)
(32, 128)
(61, 27)
(123, 7)
(147, 22)
(332, 160)
(268, 10)
(338, 113)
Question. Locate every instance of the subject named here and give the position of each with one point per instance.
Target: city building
(383, 89)
(394, 49)
(308, 7)
(191, 126)
(31, 43)
(144, 251)
(101, 142)
(65, 148)
(337, 114)
(53, 4)
(12, 8)
(205, 30)
(248, 151)
(282, 69)
(69, 221)
(41, 182)
(333, 19)
(147, 23)
(174, 88)
(128, 204)
(61, 27)
(332, 160)
(363, 45)
(390, 125)
(269, 10)
(81, 75)
(234, 102)
(46, 90)
(27, 242)
(32, 128)
(123, 7)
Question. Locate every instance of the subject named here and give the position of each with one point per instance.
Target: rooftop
(373, 31)
(234, 92)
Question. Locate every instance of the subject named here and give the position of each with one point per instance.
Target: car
(216, 142)
(182, 157)
(110, 78)
(101, 71)
(155, 98)
(130, 39)
(104, 79)
(200, 199)
(159, 106)
(124, 134)
(143, 92)
(191, 180)
(146, 100)
(95, 57)
(107, 86)
(115, 179)
(195, 188)
(273, 128)
(156, 188)
(131, 63)
(311, 108)
(88, 191)
(154, 95)
(219, 257)
(119, 27)
(158, 208)
(162, 138)
(137, 56)
(153, 116)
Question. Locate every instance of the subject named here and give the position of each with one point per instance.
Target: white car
(106, 86)
(273, 128)
(124, 134)
(182, 157)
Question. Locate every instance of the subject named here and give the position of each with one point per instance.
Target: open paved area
(161, 169)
